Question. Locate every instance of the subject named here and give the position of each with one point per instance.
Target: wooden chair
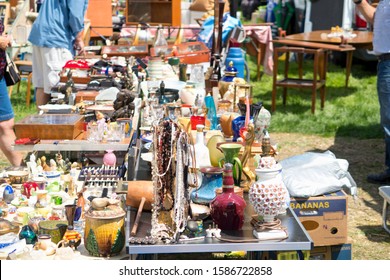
(25, 70)
(318, 81)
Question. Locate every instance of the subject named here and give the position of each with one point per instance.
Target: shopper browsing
(56, 36)
(380, 18)
(7, 134)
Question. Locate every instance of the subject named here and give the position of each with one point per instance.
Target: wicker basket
(104, 236)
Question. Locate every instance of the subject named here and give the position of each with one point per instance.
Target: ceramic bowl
(17, 177)
(52, 175)
(22, 211)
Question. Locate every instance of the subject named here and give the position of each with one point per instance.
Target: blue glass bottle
(28, 234)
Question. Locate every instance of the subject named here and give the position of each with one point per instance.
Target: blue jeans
(383, 87)
(6, 112)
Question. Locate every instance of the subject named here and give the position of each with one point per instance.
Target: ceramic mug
(41, 182)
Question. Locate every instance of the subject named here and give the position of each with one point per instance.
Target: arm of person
(79, 43)
(366, 9)
(77, 9)
(5, 41)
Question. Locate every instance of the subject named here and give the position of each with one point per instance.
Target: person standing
(56, 35)
(7, 134)
(380, 18)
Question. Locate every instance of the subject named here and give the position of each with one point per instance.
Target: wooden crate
(50, 126)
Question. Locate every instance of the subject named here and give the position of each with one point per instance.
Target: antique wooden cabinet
(154, 12)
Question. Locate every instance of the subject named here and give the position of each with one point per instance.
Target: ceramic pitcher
(211, 180)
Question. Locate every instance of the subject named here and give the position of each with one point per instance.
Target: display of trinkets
(92, 172)
(169, 169)
(100, 180)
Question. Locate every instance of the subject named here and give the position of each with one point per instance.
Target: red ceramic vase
(227, 209)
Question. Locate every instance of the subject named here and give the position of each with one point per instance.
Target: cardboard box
(324, 217)
(334, 252)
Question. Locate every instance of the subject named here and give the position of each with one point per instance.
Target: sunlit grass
(352, 111)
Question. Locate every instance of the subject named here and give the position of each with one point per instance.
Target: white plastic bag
(312, 174)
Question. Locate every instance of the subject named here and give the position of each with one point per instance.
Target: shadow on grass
(375, 234)
(373, 131)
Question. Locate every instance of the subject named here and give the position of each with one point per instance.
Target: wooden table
(363, 39)
(320, 39)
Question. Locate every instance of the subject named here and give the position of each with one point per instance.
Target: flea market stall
(147, 149)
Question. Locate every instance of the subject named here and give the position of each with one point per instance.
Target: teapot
(27, 187)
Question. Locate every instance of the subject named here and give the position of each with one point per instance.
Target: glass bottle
(161, 43)
(211, 112)
(202, 154)
(227, 209)
(28, 233)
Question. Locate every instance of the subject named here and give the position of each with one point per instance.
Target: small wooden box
(50, 126)
(190, 52)
(86, 95)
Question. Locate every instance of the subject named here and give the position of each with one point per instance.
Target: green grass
(352, 111)
(18, 101)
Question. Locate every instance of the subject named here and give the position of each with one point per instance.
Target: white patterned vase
(268, 195)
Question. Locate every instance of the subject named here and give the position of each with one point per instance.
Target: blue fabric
(206, 34)
(383, 87)
(58, 23)
(6, 112)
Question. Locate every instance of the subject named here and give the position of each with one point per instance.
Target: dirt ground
(369, 240)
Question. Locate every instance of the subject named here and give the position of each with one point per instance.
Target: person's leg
(7, 138)
(383, 87)
(49, 63)
(41, 98)
(7, 134)
(38, 77)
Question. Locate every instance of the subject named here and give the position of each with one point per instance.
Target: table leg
(384, 216)
(348, 67)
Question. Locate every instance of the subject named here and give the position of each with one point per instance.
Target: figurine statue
(44, 164)
(60, 162)
(248, 177)
(53, 165)
(39, 165)
(32, 165)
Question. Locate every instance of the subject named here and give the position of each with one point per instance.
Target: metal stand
(385, 193)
